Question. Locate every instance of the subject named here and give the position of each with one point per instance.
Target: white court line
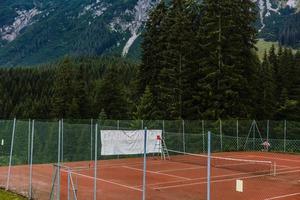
(153, 172)
(225, 175)
(92, 166)
(283, 196)
(85, 167)
(194, 179)
(181, 169)
(275, 158)
(216, 181)
(106, 181)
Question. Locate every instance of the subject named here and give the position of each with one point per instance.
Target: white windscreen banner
(121, 142)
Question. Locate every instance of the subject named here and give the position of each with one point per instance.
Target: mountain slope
(38, 31)
(279, 20)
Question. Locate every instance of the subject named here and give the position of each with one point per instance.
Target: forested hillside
(109, 88)
(39, 31)
(71, 88)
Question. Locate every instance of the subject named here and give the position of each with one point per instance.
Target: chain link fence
(30, 148)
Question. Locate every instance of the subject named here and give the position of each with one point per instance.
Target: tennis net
(233, 164)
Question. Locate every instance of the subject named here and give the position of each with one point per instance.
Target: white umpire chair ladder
(161, 146)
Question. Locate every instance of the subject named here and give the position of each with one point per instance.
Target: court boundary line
(154, 172)
(283, 196)
(225, 175)
(85, 167)
(106, 181)
(194, 179)
(182, 169)
(275, 158)
(216, 181)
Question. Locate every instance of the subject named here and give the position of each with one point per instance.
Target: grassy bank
(5, 195)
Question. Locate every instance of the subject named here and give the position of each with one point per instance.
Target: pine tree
(63, 91)
(292, 107)
(151, 49)
(102, 115)
(176, 78)
(1, 101)
(295, 86)
(228, 38)
(284, 68)
(111, 97)
(147, 108)
(266, 86)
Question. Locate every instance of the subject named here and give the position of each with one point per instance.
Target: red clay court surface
(166, 180)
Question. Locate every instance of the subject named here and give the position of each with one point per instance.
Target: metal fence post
(58, 160)
(68, 193)
(254, 135)
(62, 140)
(163, 129)
(29, 132)
(208, 164)
(284, 139)
(221, 135)
(183, 137)
(91, 139)
(96, 159)
(31, 159)
(10, 155)
(142, 124)
(237, 135)
(268, 129)
(145, 164)
(203, 134)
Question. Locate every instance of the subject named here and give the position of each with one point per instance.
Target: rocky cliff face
(69, 27)
(267, 8)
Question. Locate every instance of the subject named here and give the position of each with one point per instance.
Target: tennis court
(56, 160)
(184, 177)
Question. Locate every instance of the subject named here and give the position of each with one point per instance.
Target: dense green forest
(198, 61)
(72, 87)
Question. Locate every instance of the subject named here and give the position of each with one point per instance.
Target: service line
(283, 196)
(217, 181)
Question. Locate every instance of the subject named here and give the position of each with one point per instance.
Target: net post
(142, 124)
(274, 169)
(237, 134)
(183, 136)
(31, 159)
(221, 134)
(145, 164)
(73, 187)
(10, 155)
(95, 161)
(58, 160)
(284, 137)
(208, 163)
